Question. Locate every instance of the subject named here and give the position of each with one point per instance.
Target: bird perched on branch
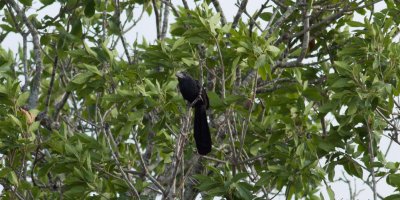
(196, 95)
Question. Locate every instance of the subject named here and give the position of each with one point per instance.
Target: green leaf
(82, 78)
(239, 176)
(331, 193)
(47, 2)
(71, 150)
(179, 42)
(341, 83)
(261, 61)
(392, 165)
(343, 65)
(205, 186)
(12, 177)
(355, 24)
(393, 197)
(188, 61)
(312, 94)
(4, 172)
(262, 72)
(107, 51)
(90, 8)
(45, 169)
(89, 50)
(136, 116)
(393, 180)
(26, 2)
(75, 191)
(274, 168)
(263, 67)
(76, 27)
(353, 168)
(91, 68)
(243, 191)
(274, 50)
(15, 120)
(22, 99)
(33, 127)
(266, 16)
(217, 191)
(215, 100)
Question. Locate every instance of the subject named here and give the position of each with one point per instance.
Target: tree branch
(157, 17)
(306, 36)
(165, 22)
(241, 9)
(35, 84)
(145, 169)
(371, 156)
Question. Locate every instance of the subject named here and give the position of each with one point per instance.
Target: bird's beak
(179, 74)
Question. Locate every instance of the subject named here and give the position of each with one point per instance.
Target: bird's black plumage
(191, 90)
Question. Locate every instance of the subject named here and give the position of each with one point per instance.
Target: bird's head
(181, 75)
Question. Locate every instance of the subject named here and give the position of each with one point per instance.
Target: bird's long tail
(201, 131)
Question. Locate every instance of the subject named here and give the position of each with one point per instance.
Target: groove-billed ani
(195, 94)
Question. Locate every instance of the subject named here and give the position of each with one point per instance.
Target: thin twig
(121, 35)
(306, 36)
(247, 121)
(241, 9)
(280, 4)
(144, 166)
(53, 74)
(214, 159)
(254, 19)
(174, 10)
(279, 22)
(252, 159)
(25, 62)
(345, 10)
(234, 151)
(115, 154)
(221, 62)
(371, 156)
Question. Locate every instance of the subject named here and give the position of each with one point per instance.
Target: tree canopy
(297, 89)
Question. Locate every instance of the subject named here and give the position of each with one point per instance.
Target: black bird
(196, 95)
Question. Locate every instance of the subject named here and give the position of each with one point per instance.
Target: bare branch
(165, 22)
(279, 22)
(158, 18)
(254, 19)
(280, 4)
(174, 10)
(241, 9)
(185, 4)
(371, 155)
(306, 36)
(104, 24)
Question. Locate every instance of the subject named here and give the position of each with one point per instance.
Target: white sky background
(146, 28)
